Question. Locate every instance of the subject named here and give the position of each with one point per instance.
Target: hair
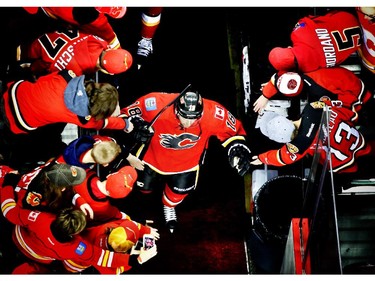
(67, 223)
(53, 196)
(118, 240)
(105, 152)
(103, 99)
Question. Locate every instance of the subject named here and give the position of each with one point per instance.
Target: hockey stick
(152, 122)
(246, 79)
(168, 105)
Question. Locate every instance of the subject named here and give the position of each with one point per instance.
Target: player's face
(186, 123)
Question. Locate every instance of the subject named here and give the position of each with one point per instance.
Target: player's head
(189, 108)
(115, 61)
(282, 59)
(104, 152)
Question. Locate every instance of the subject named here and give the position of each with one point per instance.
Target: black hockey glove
(239, 156)
(143, 132)
(11, 179)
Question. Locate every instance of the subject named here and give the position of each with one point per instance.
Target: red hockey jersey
(87, 19)
(33, 236)
(325, 41)
(98, 236)
(346, 142)
(174, 149)
(31, 105)
(70, 49)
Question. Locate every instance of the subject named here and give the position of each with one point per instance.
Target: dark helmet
(190, 105)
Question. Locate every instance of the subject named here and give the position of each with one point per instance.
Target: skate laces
(145, 47)
(169, 214)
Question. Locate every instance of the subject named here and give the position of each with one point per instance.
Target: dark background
(190, 46)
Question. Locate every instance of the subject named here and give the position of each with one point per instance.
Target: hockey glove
(143, 132)
(11, 179)
(239, 157)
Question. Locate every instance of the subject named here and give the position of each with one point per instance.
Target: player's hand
(87, 210)
(154, 232)
(143, 132)
(239, 158)
(11, 179)
(256, 161)
(260, 103)
(135, 162)
(145, 255)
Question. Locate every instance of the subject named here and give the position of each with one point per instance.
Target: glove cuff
(239, 145)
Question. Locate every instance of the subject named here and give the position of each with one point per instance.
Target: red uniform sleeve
(102, 28)
(280, 157)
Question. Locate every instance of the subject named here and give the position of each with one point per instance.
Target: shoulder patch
(219, 112)
(150, 103)
(33, 198)
(33, 215)
(317, 104)
(325, 99)
(72, 74)
(81, 248)
(292, 148)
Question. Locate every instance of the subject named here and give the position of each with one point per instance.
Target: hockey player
(319, 42)
(74, 50)
(301, 136)
(150, 22)
(174, 154)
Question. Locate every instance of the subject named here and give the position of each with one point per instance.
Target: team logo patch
(33, 215)
(325, 99)
(317, 104)
(72, 74)
(292, 148)
(33, 198)
(74, 171)
(219, 112)
(298, 25)
(150, 103)
(81, 248)
(88, 117)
